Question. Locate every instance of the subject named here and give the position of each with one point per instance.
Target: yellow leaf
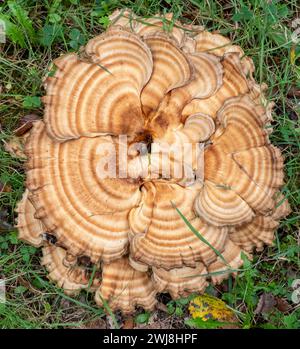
(208, 307)
(293, 55)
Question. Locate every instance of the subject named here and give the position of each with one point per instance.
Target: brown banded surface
(125, 288)
(96, 197)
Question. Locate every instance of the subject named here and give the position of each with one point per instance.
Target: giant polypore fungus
(109, 178)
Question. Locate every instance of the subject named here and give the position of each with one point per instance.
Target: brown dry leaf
(293, 92)
(97, 324)
(266, 303)
(282, 305)
(25, 123)
(5, 188)
(128, 323)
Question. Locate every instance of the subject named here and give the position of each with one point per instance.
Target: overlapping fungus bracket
(180, 85)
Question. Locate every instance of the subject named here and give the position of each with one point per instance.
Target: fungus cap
(96, 183)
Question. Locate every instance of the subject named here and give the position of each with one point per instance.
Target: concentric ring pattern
(188, 91)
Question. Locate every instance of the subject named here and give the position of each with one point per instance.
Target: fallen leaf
(5, 188)
(207, 307)
(25, 123)
(128, 323)
(282, 305)
(265, 304)
(98, 324)
(293, 92)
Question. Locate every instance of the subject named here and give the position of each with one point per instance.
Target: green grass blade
(199, 236)
(21, 16)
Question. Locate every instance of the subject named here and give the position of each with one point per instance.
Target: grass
(40, 31)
